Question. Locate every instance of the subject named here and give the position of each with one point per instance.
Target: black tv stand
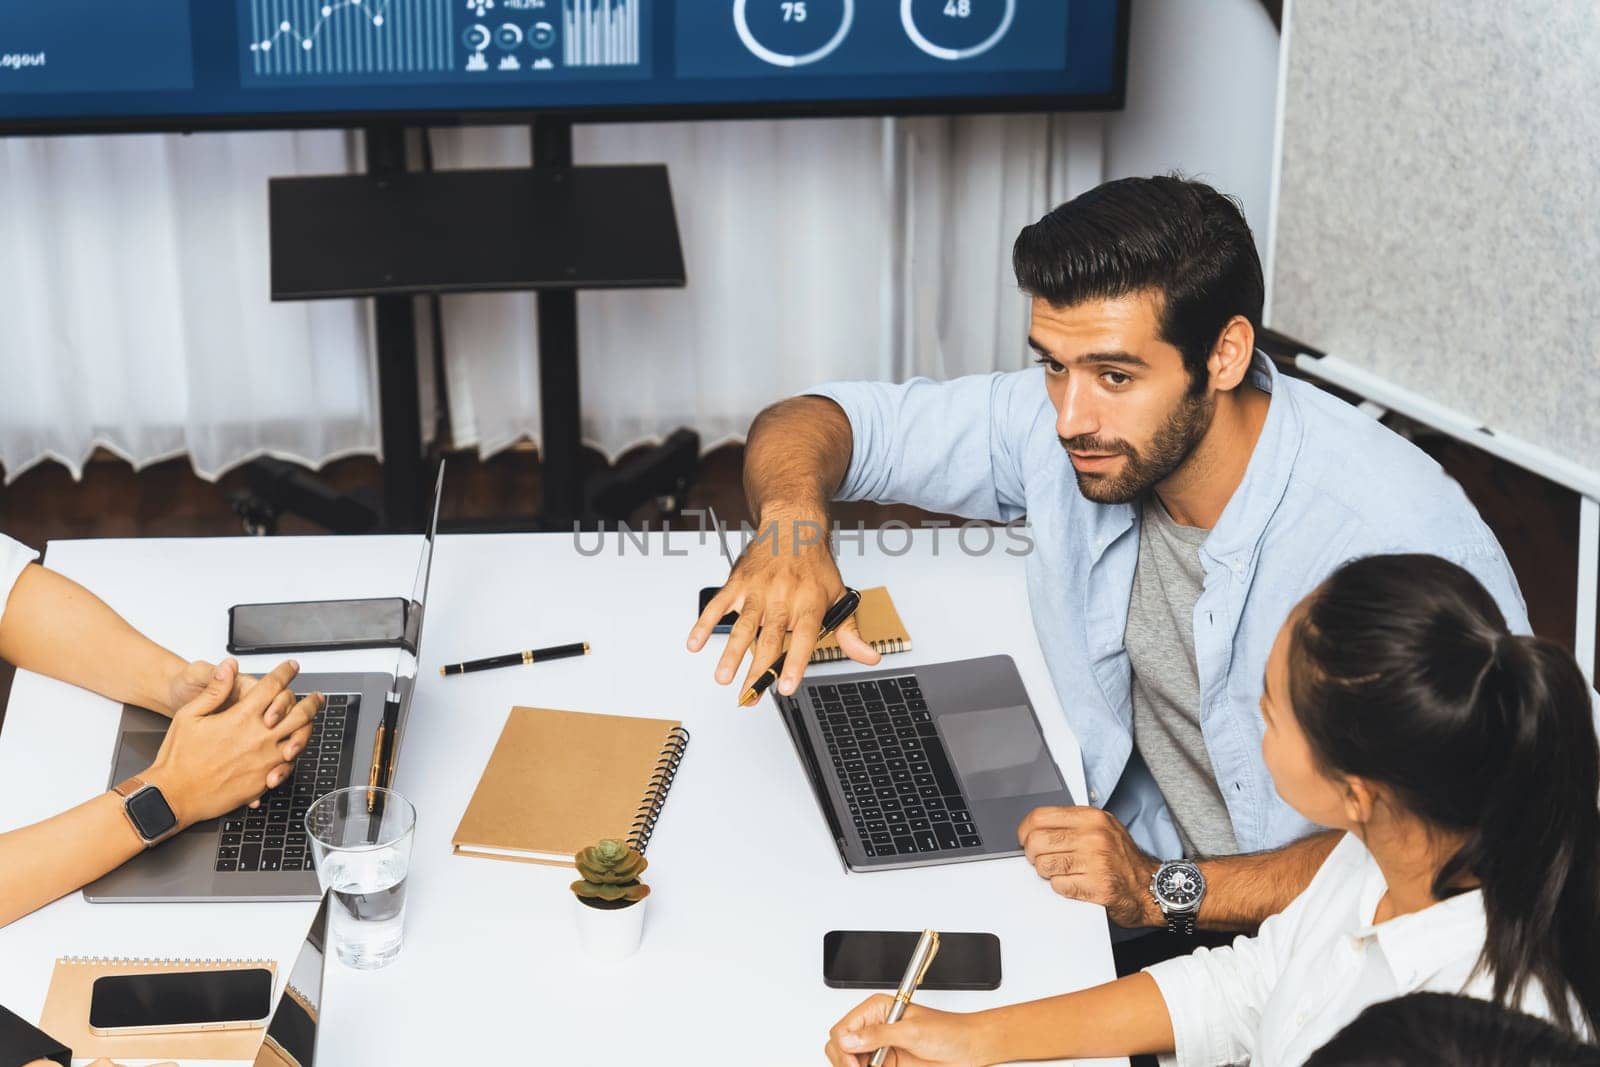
(554, 228)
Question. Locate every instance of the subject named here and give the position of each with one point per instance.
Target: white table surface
(745, 877)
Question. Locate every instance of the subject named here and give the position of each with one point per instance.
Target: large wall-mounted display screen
(196, 64)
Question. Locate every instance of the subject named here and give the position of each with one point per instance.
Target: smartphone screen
(186, 999)
(319, 624)
(876, 959)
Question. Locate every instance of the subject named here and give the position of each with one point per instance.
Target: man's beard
(1172, 444)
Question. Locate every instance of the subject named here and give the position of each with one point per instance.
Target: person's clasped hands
(232, 740)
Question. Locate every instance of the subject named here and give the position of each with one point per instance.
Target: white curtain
(134, 309)
(847, 248)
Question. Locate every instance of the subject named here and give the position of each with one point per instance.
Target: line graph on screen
(322, 37)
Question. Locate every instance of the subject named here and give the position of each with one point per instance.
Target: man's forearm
(796, 457)
(1241, 891)
(56, 627)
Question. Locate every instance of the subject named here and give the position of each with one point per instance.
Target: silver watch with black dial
(1179, 887)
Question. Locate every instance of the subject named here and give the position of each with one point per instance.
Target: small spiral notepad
(558, 781)
(66, 1012)
(880, 626)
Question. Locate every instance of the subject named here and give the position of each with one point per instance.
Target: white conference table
(745, 876)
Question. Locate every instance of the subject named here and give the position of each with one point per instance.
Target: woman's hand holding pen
(922, 1038)
(786, 580)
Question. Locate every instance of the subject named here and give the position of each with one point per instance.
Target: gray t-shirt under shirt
(1166, 683)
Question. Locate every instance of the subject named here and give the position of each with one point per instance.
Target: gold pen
(842, 610)
(921, 959)
(375, 770)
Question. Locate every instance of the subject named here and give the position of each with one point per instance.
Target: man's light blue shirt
(1325, 484)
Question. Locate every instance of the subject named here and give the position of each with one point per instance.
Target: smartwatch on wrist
(1179, 887)
(147, 810)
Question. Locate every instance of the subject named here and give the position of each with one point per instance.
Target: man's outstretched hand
(785, 581)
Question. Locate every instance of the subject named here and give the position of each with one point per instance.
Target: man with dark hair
(1182, 497)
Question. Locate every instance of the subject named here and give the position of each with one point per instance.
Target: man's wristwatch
(1179, 887)
(147, 809)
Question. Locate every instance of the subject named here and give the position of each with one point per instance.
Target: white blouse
(14, 556)
(1277, 997)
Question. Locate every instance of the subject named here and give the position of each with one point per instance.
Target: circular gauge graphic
(541, 35)
(792, 33)
(508, 36)
(956, 29)
(477, 37)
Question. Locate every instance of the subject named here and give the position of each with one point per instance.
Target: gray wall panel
(1439, 204)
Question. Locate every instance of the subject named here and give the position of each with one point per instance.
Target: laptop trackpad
(999, 753)
(136, 753)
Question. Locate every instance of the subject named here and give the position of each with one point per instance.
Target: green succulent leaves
(610, 872)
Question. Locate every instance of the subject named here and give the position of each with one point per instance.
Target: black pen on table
(513, 659)
(835, 617)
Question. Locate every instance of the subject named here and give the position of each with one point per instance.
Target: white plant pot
(610, 934)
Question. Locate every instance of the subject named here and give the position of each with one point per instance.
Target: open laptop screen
(291, 1039)
(405, 668)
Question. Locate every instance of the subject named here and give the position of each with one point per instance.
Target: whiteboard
(1438, 204)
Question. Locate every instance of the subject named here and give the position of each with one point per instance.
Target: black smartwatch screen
(151, 814)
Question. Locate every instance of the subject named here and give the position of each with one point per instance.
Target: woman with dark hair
(1463, 763)
(1429, 1028)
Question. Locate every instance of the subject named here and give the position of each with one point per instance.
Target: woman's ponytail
(1536, 849)
(1402, 672)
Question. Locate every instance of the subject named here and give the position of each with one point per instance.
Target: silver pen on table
(921, 959)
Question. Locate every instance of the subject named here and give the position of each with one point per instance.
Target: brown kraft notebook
(880, 627)
(66, 1013)
(558, 781)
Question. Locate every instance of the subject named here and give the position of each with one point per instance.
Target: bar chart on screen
(301, 38)
(600, 33)
(288, 43)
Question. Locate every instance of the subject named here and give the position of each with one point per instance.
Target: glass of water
(361, 841)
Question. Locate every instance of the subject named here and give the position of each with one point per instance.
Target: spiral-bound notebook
(66, 1013)
(558, 781)
(879, 624)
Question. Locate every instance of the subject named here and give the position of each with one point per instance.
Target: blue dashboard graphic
(819, 38)
(309, 38)
(171, 62)
(371, 42)
(72, 46)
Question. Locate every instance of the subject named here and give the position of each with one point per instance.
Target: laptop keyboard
(902, 794)
(273, 836)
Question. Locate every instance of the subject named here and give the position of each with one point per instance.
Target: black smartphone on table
(318, 625)
(180, 1002)
(725, 623)
(876, 959)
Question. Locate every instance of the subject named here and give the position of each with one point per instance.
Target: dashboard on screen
(195, 64)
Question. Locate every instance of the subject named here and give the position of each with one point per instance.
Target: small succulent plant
(610, 872)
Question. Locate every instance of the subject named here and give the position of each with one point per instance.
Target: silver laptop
(262, 854)
(924, 765)
(291, 1038)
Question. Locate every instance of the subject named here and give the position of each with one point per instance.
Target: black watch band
(1182, 924)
